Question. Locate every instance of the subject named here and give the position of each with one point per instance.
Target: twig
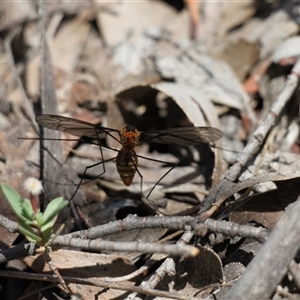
(82, 238)
(133, 222)
(8, 224)
(295, 271)
(132, 275)
(100, 283)
(20, 251)
(149, 263)
(56, 273)
(176, 223)
(99, 245)
(231, 229)
(245, 196)
(230, 188)
(166, 268)
(216, 196)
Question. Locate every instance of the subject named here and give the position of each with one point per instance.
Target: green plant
(36, 226)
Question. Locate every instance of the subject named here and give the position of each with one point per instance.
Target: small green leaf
(17, 203)
(53, 209)
(47, 232)
(53, 237)
(39, 218)
(30, 236)
(27, 210)
(29, 220)
(27, 226)
(47, 226)
(13, 198)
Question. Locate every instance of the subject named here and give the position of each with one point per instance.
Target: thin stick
(255, 141)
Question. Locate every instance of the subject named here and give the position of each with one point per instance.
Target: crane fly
(129, 138)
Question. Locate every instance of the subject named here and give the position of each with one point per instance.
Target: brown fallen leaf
(87, 266)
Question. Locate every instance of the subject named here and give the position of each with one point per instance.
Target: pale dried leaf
(67, 44)
(288, 48)
(197, 273)
(122, 21)
(235, 13)
(13, 13)
(194, 103)
(240, 55)
(214, 77)
(185, 96)
(277, 28)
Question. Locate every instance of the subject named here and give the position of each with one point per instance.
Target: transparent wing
(73, 126)
(182, 136)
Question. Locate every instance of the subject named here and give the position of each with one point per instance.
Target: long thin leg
(85, 171)
(162, 177)
(96, 164)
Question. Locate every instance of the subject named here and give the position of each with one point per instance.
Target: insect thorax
(129, 136)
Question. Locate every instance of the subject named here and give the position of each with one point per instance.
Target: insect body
(129, 138)
(127, 159)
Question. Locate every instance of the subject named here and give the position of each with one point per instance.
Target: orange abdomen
(127, 165)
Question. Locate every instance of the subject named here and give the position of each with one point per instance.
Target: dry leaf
(197, 273)
(86, 266)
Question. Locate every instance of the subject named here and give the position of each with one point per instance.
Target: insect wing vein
(182, 136)
(73, 126)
